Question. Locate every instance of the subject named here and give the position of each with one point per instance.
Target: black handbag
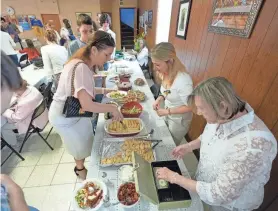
(72, 107)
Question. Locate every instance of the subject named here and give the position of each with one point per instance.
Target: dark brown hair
(51, 36)
(84, 19)
(30, 44)
(101, 40)
(105, 18)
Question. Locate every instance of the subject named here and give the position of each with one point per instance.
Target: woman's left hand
(109, 90)
(164, 173)
(162, 112)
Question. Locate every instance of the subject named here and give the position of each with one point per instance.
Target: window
(164, 9)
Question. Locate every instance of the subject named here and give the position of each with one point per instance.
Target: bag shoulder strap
(73, 76)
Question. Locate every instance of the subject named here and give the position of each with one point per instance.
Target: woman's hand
(156, 105)
(116, 114)
(181, 150)
(165, 173)
(162, 112)
(106, 91)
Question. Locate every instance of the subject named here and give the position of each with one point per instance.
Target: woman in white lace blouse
(236, 150)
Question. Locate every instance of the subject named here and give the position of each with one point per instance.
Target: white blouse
(54, 57)
(235, 163)
(142, 56)
(179, 91)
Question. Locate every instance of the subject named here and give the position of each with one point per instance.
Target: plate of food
(133, 96)
(116, 95)
(127, 195)
(139, 82)
(131, 109)
(118, 152)
(128, 127)
(90, 195)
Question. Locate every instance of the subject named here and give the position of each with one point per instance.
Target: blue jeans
(14, 59)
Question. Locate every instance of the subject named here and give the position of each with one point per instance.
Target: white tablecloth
(162, 151)
(34, 77)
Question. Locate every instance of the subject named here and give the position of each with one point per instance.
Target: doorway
(128, 22)
(54, 21)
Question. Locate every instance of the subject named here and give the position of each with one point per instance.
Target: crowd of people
(236, 147)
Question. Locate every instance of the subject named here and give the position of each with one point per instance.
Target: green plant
(136, 41)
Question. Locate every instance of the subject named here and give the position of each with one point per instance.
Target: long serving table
(151, 121)
(34, 77)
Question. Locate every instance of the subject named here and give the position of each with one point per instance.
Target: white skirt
(76, 133)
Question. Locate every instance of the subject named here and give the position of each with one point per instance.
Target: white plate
(104, 194)
(121, 92)
(123, 134)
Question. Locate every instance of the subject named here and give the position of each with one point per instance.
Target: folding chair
(24, 57)
(3, 144)
(47, 94)
(32, 129)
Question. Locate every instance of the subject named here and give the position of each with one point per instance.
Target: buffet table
(163, 150)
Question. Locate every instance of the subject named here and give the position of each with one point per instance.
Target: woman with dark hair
(77, 133)
(105, 23)
(30, 50)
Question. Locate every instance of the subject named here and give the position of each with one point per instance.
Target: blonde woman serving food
(77, 133)
(175, 88)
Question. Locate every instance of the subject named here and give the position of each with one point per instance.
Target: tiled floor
(46, 176)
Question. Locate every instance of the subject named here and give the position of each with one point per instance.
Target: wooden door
(53, 19)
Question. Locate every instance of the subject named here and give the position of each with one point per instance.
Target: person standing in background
(8, 45)
(86, 27)
(48, 26)
(66, 31)
(54, 56)
(6, 27)
(105, 23)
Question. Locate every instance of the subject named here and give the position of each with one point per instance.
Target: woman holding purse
(76, 81)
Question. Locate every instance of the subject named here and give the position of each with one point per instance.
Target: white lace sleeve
(238, 170)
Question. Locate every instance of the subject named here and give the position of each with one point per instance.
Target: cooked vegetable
(127, 194)
(133, 110)
(116, 95)
(89, 196)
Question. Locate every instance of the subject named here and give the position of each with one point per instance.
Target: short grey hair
(10, 76)
(214, 91)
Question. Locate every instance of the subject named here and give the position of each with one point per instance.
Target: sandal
(81, 173)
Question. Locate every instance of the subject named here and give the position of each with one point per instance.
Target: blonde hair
(215, 91)
(165, 51)
(51, 36)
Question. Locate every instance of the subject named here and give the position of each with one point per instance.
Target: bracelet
(161, 96)
(169, 111)
(174, 178)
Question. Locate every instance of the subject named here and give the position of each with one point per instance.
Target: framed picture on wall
(183, 18)
(87, 13)
(150, 18)
(234, 17)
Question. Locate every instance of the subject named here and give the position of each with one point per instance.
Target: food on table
(133, 110)
(126, 173)
(133, 96)
(89, 196)
(125, 155)
(160, 183)
(124, 86)
(127, 194)
(126, 126)
(139, 82)
(116, 95)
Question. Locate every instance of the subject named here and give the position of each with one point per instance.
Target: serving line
(163, 150)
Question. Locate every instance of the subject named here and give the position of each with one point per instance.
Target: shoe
(81, 173)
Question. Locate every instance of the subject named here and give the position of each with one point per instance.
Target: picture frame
(87, 13)
(234, 17)
(183, 18)
(150, 18)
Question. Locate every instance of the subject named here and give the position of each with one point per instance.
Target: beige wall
(105, 6)
(65, 9)
(151, 33)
